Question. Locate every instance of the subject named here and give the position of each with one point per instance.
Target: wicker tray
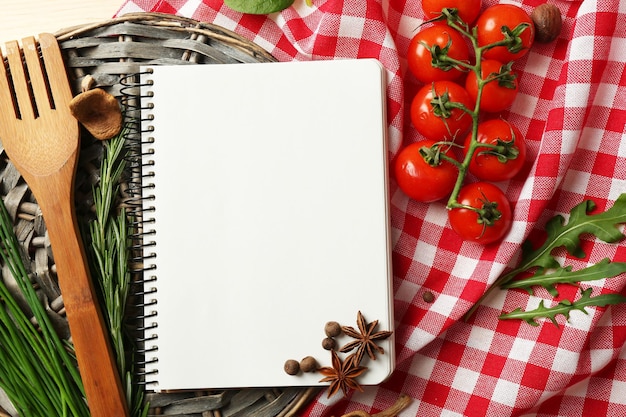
(108, 51)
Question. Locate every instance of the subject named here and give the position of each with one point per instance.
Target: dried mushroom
(99, 112)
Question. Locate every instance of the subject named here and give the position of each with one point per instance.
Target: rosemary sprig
(37, 371)
(109, 251)
(109, 244)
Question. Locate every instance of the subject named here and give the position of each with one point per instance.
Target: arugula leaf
(565, 234)
(602, 225)
(258, 6)
(565, 307)
(603, 269)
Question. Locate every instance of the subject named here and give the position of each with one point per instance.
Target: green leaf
(258, 6)
(565, 307)
(603, 269)
(564, 234)
(560, 233)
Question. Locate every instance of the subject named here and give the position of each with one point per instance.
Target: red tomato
(468, 9)
(499, 93)
(494, 219)
(420, 58)
(488, 165)
(489, 27)
(442, 122)
(421, 180)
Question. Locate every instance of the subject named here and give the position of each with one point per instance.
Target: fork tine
(6, 98)
(36, 73)
(18, 76)
(55, 67)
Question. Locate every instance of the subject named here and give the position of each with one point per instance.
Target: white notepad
(271, 218)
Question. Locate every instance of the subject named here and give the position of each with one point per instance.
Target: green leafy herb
(565, 307)
(37, 370)
(109, 244)
(109, 256)
(602, 225)
(547, 271)
(603, 269)
(258, 6)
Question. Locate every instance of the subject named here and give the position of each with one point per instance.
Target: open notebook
(270, 210)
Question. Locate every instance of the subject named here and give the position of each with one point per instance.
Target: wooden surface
(21, 18)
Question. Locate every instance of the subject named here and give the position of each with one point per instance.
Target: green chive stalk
(37, 369)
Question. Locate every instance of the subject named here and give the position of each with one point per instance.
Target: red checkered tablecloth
(572, 110)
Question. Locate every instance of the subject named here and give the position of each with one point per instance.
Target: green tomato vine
(442, 105)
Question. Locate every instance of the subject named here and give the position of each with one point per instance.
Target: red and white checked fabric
(572, 110)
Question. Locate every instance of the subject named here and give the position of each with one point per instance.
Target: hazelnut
(328, 343)
(308, 364)
(547, 20)
(292, 366)
(332, 329)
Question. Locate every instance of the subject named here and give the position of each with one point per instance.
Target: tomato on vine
(439, 111)
(485, 214)
(499, 89)
(422, 174)
(505, 156)
(436, 41)
(468, 10)
(447, 106)
(503, 21)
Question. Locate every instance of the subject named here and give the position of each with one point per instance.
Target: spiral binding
(135, 96)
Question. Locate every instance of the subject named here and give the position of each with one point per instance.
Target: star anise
(342, 376)
(366, 339)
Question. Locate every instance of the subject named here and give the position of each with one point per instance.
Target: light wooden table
(20, 18)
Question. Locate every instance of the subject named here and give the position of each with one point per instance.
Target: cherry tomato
(468, 9)
(420, 180)
(495, 220)
(499, 93)
(489, 27)
(419, 55)
(443, 121)
(497, 164)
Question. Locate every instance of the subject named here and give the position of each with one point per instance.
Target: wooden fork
(41, 138)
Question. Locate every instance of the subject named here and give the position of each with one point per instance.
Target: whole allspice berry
(547, 20)
(332, 329)
(328, 343)
(292, 366)
(308, 364)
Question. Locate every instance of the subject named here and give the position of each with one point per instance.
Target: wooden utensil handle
(95, 356)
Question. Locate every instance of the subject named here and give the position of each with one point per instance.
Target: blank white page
(271, 218)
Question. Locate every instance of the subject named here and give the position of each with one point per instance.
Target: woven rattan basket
(108, 51)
